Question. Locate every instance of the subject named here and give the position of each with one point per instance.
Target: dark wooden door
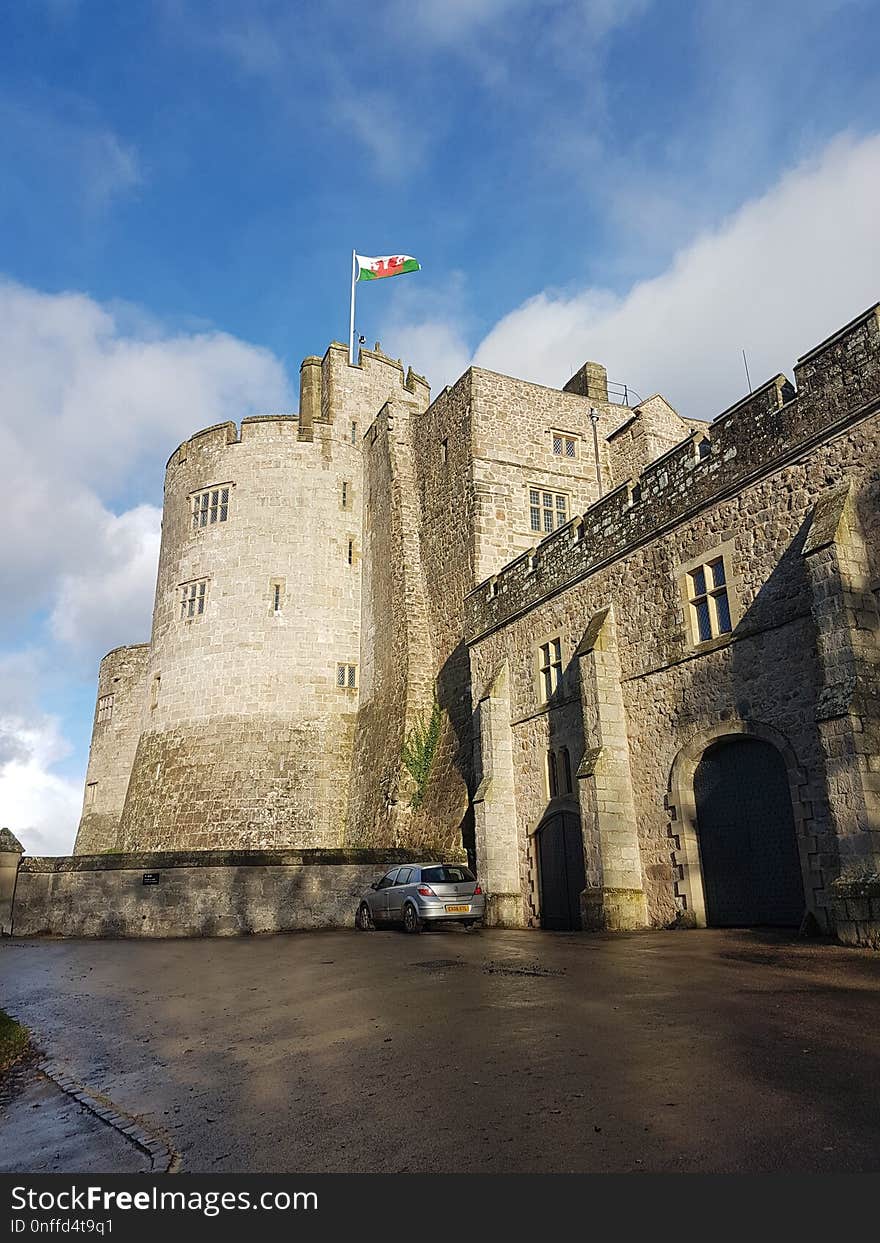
(561, 871)
(748, 846)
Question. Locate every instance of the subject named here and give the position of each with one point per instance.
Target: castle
(653, 642)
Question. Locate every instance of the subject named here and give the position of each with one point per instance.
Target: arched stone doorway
(561, 874)
(749, 858)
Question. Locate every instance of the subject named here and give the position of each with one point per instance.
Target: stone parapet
(838, 383)
(196, 893)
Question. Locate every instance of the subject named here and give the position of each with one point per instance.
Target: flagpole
(351, 314)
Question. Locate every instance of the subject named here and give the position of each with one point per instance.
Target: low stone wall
(856, 908)
(194, 894)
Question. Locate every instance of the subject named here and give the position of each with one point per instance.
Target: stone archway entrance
(747, 842)
(561, 873)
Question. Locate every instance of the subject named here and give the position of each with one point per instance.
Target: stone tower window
(564, 446)
(552, 776)
(710, 607)
(549, 668)
(155, 687)
(351, 552)
(91, 791)
(192, 599)
(105, 709)
(444, 450)
(276, 595)
(547, 510)
(354, 433)
(566, 769)
(210, 506)
(346, 677)
(346, 494)
(559, 772)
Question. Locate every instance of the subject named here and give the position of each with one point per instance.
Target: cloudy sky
(655, 185)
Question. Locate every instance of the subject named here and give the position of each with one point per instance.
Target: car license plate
(455, 910)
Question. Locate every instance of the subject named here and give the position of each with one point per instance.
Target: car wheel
(364, 919)
(411, 921)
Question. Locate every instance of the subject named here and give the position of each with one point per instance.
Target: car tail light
(478, 890)
(426, 891)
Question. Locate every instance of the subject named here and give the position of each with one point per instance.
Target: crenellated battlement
(222, 435)
(836, 381)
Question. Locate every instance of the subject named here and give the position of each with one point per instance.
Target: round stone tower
(252, 685)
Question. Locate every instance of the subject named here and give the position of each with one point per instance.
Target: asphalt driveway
(493, 1051)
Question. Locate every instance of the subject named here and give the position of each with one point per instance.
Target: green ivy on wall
(419, 750)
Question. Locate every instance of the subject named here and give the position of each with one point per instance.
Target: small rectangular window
(547, 510)
(210, 506)
(105, 709)
(709, 601)
(350, 551)
(192, 599)
(354, 432)
(346, 494)
(552, 778)
(444, 450)
(550, 668)
(91, 791)
(564, 446)
(155, 688)
(346, 677)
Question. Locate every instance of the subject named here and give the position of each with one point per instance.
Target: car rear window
(446, 875)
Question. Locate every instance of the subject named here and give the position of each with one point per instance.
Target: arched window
(566, 770)
(552, 782)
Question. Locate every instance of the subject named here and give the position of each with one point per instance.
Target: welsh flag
(385, 265)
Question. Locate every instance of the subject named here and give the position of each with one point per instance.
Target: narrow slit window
(444, 450)
(354, 433)
(91, 791)
(155, 688)
(276, 598)
(566, 770)
(552, 777)
(346, 494)
(550, 668)
(351, 552)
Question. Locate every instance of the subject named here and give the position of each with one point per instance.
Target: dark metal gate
(748, 846)
(561, 872)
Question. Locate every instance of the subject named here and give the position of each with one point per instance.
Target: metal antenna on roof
(748, 378)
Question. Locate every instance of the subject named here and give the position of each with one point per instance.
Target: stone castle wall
(204, 893)
(778, 462)
(245, 740)
(115, 735)
(244, 735)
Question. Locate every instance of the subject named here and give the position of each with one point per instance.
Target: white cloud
(39, 806)
(774, 279)
(112, 595)
(92, 400)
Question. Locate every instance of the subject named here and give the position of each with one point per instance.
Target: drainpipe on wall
(594, 419)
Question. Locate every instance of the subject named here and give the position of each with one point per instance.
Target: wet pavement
(454, 1051)
(45, 1131)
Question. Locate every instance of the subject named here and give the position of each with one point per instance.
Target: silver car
(421, 893)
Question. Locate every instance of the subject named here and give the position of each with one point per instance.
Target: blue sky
(656, 185)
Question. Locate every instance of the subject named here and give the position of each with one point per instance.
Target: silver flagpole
(351, 315)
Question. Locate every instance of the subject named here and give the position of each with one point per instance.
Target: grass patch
(14, 1041)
